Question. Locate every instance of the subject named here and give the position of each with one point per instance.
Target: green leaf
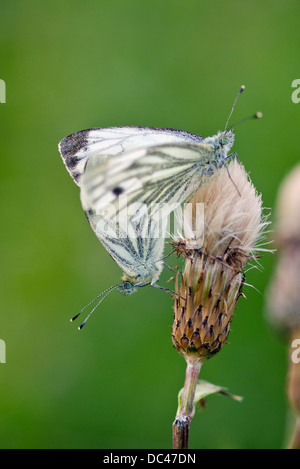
(204, 389)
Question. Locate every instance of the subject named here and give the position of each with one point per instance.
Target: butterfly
(154, 168)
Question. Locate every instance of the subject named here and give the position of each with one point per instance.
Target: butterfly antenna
(229, 175)
(86, 306)
(99, 302)
(232, 109)
(258, 115)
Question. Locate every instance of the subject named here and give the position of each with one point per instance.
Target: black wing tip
(73, 143)
(77, 141)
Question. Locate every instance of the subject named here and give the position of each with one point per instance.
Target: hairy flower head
(284, 291)
(215, 252)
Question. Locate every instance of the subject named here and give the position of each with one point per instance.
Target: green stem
(185, 411)
(293, 389)
(295, 442)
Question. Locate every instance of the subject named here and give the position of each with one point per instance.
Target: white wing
(162, 175)
(136, 247)
(77, 148)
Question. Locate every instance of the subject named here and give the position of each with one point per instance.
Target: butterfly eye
(126, 288)
(225, 139)
(118, 190)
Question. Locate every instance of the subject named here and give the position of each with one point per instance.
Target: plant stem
(293, 390)
(295, 442)
(185, 411)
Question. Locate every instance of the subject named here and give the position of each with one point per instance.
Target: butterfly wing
(77, 148)
(156, 176)
(136, 247)
(137, 254)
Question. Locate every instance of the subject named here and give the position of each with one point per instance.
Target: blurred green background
(71, 65)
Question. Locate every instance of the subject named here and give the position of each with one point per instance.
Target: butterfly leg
(170, 268)
(165, 257)
(165, 289)
(229, 175)
(162, 260)
(233, 155)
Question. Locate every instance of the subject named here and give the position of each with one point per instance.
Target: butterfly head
(221, 144)
(226, 139)
(126, 287)
(143, 275)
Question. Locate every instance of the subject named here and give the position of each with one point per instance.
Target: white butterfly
(159, 168)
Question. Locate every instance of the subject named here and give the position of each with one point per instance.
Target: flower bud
(283, 295)
(284, 292)
(215, 253)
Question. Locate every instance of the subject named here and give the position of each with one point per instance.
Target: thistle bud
(283, 295)
(215, 253)
(284, 292)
